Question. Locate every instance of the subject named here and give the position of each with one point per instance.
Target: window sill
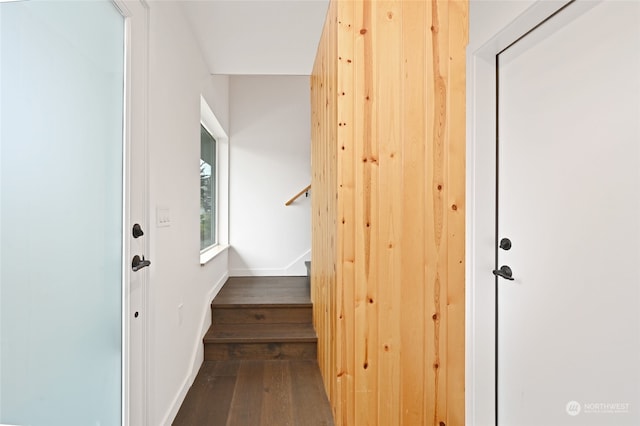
(209, 254)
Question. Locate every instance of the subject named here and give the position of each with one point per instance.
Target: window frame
(211, 124)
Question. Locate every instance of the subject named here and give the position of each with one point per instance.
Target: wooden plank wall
(388, 94)
(324, 199)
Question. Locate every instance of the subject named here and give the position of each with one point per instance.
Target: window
(214, 186)
(208, 190)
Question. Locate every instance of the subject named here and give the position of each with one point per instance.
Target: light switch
(163, 217)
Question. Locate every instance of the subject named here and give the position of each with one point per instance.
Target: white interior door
(72, 175)
(568, 325)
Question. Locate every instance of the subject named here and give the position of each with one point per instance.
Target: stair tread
(259, 303)
(261, 333)
(263, 291)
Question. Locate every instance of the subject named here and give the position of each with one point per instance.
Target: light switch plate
(163, 217)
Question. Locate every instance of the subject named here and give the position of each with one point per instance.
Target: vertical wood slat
(388, 69)
(324, 207)
(346, 226)
(413, 338)
(458, 13)
(388, 151)
(437, 243)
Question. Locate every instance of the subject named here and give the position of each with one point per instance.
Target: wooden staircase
(260, 363)
(261, 318)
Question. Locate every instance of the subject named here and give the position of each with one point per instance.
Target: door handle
(504, 272)
(137, 263)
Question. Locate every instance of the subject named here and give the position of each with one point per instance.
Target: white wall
(270, 162)
(178, 76)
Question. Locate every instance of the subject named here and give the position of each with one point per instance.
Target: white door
(568, 325)
(72, 177)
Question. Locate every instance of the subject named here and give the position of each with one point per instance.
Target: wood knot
(371, 300)
(366, 365)
(434, 317)
(386, 348)
(363, 31)
(389, 15)
(454, 207)
(436, 366)
(439, 187)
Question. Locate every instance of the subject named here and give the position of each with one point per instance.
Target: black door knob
(137, 231)
(505, 244)
(504, 272)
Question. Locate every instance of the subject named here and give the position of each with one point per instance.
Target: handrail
(299, 194)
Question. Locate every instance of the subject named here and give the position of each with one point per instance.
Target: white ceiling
(258, 36)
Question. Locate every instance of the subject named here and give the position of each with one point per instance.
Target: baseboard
(295, 268)
(198, 354)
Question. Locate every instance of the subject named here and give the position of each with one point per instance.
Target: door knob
(137, 231)
(505, 244)
(504, 272)
(137, 263)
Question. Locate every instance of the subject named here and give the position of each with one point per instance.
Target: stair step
(264, 290)
(260, 333)
(260, 341)
(262, 351)
(262, 318)
(262, 314)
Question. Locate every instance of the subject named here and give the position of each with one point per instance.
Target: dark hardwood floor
(260, 365)
(256, 393)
